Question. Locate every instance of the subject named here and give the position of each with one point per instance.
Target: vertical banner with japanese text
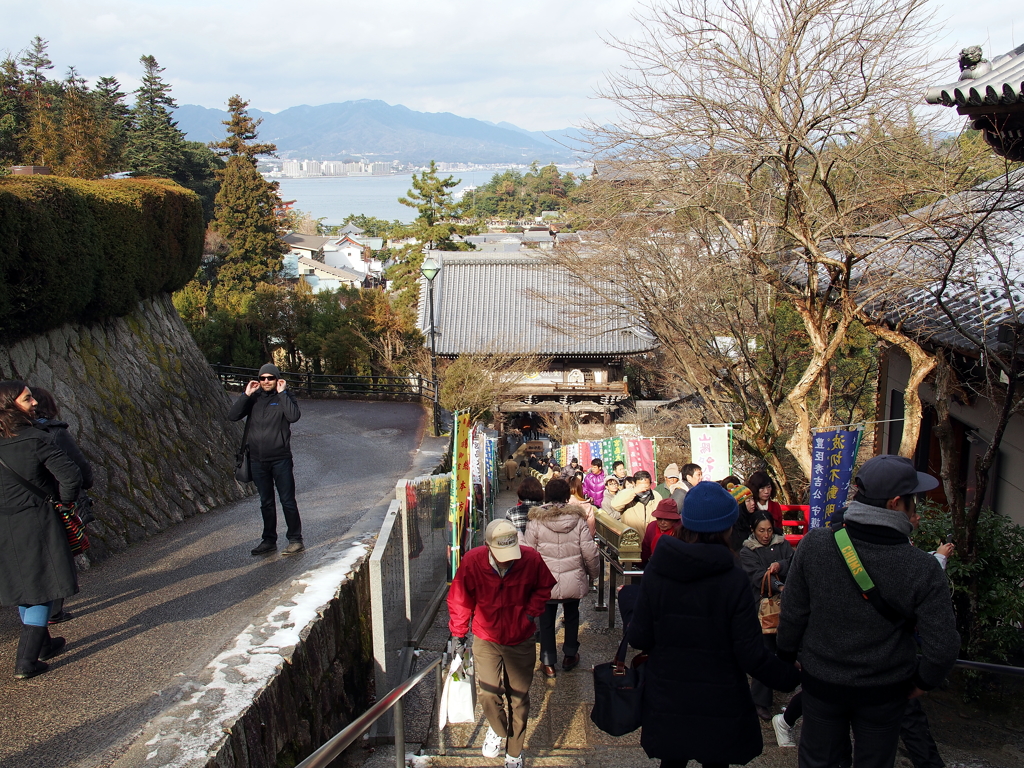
(710, 449)
(584, 449)
(640, 454)
(612, 449)
(461, 489)
(832, 458)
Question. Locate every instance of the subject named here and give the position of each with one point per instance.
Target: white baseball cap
(502, 539)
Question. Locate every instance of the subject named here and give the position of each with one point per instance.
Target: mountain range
(374, 130)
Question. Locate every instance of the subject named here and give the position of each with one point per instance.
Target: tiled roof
(981, 282)
(338, 272)
(1002, 84)
(305, 242)
(523, 305)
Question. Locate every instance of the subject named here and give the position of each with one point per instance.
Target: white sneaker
(492, 743)
(514, 762)
(783, 733)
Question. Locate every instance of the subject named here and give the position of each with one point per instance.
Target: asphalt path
(150, 618)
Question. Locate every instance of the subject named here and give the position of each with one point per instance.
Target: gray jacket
(848, 650)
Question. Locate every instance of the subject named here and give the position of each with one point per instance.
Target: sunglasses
(268, 378)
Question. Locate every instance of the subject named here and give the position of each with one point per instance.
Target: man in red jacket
(501, 588)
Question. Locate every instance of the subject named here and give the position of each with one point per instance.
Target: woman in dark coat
(44, 569)
(48, 420)
(695, 616)
(765, 551)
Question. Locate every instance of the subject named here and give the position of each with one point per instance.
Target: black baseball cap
(888, 476)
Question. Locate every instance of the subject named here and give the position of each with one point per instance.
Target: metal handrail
(337, 384)
(342, 740)
(1001, 669)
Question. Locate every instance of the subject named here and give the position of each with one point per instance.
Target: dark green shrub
(84, 250)
(999, 570)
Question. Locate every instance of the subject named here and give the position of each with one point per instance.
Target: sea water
(332, 198)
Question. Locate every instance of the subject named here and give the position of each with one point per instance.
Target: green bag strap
(852, 559)
(867, 587)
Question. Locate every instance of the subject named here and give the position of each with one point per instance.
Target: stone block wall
(147, 411)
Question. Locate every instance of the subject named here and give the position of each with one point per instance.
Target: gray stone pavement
(560, 733)
(149, 619)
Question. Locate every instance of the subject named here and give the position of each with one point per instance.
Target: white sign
(709, 448)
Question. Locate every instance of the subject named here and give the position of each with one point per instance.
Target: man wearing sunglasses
(271, 410)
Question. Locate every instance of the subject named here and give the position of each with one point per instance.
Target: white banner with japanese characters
(711, 450)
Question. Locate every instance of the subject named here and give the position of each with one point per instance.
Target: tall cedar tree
(242, 133)
(155, 144)
(110, 101)
(244, 212)
(435, 227)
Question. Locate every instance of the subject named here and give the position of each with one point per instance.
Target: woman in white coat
(559, 531)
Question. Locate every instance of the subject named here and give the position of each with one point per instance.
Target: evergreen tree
(155, 144)
(245, 208)
(81, 135)
(434, 228)
(13, 111)
(242, 134)
(116, 117)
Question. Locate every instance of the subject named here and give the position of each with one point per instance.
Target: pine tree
(434, 229)
(114, 112)
(82, 135)
(242, 133)
(245, 209)
(38, 136)
(154, 146)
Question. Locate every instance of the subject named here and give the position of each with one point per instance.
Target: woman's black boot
(29, 645)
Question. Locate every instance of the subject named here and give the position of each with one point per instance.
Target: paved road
(148, 618)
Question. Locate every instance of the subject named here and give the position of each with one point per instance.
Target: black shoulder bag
(243, 470)
(73, 525)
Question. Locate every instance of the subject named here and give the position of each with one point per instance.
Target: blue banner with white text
(832, 458)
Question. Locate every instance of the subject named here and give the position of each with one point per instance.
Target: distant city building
(291, 168)
(311, 167)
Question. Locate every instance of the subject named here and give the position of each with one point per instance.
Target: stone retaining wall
(147, 411)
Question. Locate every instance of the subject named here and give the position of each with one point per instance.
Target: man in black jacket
(856, 648)
(271, 410)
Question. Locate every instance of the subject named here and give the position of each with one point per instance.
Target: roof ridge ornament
(973, 64)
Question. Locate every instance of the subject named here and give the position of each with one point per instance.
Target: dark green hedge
(85, 250)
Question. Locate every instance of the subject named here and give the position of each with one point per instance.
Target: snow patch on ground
(190, 731)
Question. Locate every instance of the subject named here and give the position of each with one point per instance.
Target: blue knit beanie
(709, 508)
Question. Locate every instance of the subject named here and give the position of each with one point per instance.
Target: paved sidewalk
(560, 733)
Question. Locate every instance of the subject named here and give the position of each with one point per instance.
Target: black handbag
(618, 691)
(243, 469)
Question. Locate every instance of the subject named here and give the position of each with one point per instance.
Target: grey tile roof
(339, 272)
(305, 242)
(523, 305)
(972, 262)
(1002, 84)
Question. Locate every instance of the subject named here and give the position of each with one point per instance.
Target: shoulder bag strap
(31, 486)
(866, 586)
(245, 433)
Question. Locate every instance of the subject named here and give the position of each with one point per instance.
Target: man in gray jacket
(855, 645)
(271, 411)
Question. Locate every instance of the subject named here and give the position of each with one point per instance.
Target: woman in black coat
(696, 617)
(43, 569)
(764, 551)
(48, 420)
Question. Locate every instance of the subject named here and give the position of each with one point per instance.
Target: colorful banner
(595, 452)
(831, 472)
(584, 449)
(461, 489)
(612, 449)
(640, 455)
(711, 449)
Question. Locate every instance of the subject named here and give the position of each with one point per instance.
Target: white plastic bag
(458, 697)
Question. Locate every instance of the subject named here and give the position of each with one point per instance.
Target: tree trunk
(921, 364)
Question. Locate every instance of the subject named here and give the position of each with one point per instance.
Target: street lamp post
(429, 270)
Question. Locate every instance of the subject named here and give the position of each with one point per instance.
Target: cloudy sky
(535, 63)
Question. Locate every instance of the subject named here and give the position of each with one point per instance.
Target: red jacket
(651, 537)
(499, 607)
